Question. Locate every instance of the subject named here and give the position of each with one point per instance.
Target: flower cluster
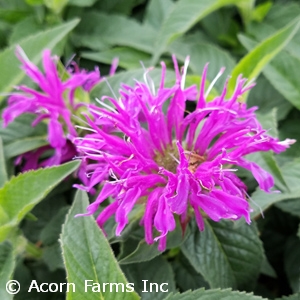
(172, 161)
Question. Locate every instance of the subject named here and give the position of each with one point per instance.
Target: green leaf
(282, 73)
(157, 11)
(33, 46)
(157, 272)
(128, 58)
(52, 257)
(261, 10)
(184, 15)
(20, 137)
(145, 252)
(291, 297)
(214, 295)
(227, 254)
(7, 263)
(186, 276)
(3, 172)
(253, 63)
(22, 193)
(50, 233)
(88, 256)
(122, 31)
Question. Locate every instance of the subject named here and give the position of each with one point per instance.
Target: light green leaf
(7, 263)
(22, 193)
(226, 254)
(33, 46)
(3, 172)
(253, 63)
(184, 15)
(157, 11)
(56, 5)
(88, 256)
(282, 73)
(203, 294)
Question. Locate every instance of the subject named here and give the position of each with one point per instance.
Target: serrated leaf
(253, 63)
(227, 254)
(184, 15)
(7, 263)
(3, 172)
(22, 193)
(88, 256)
(291, 297)
(157, 272)
(33, 46)
(203, 294)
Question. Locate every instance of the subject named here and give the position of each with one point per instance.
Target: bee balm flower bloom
(171, 161)
(55, 102)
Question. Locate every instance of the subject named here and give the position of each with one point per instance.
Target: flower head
(55, 103)
(173, 162)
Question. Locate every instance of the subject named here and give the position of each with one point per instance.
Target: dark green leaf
(157, 271)
(227, 254)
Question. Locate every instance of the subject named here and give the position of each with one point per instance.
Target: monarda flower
(172, 161)
(55, 102)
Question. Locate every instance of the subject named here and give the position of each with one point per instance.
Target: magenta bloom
(55, 102)
(172, 162)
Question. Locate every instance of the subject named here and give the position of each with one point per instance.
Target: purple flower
(55, 102)
(172, 162)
